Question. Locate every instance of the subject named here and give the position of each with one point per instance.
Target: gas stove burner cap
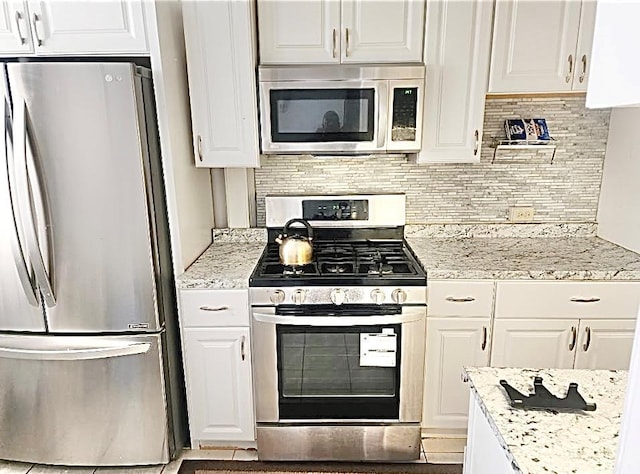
(336, 269)
(291, 270)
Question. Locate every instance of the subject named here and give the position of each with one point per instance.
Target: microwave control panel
(404, 117)
(335, 210)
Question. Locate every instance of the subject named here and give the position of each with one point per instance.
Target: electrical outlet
(521, 214)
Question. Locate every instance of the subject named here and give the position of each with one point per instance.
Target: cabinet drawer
(214, 308)
(460, 298)
(567, 299)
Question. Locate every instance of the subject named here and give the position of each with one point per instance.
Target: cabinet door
(452, 343)
(585, 40)
(535, 343)
(299, 32)
(88, 27)
(222, 82)
(605, 344)
(382, 30)
(534, 45)
(15, 35)
(219, 389)
(457, 55)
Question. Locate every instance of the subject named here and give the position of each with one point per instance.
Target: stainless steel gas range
(339, 342)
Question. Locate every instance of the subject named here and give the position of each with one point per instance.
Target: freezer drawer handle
(214, 308)
(585, 300)
(75, 354)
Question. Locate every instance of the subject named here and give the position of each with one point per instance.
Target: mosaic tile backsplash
(566, 190)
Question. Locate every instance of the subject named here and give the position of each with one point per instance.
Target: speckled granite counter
(543, 441)
(533, 258)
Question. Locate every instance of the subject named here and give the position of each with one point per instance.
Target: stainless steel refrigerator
(90, 372)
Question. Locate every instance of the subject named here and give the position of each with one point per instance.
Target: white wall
(619, 207)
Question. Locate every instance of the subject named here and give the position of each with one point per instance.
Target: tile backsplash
(566, 190)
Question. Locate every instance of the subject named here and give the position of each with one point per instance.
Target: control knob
(377, 296)
(298, 296)
(337, 296)
(277, 297)
(399, 296)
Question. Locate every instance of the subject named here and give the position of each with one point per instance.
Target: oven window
(322, 115)
(323, 373)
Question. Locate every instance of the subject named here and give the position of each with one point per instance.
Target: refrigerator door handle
(25, 198)
(22, 268)
(75, 354)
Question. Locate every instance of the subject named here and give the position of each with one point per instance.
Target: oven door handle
(409, 314)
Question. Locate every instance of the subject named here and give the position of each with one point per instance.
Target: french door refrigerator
(89, 352)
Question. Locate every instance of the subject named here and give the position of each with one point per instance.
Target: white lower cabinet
(605, 344)
(533, 343)
(217, 359)
(219, 384)
(452, 343)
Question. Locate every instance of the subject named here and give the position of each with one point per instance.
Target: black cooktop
(343, 262)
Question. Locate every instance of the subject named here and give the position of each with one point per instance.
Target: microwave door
(322, 117)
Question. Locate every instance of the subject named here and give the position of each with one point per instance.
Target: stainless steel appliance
(339, 343)
(341, 109)
(89, 365)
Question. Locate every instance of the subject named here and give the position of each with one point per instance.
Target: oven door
(355, 364)
(324, 116)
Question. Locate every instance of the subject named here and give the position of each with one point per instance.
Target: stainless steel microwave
(341, 109)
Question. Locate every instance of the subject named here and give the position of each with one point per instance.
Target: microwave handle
(384, 108)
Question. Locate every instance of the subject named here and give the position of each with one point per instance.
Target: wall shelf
(501, 144)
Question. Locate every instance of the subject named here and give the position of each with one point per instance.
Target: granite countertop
(545, 441)
(494, 252)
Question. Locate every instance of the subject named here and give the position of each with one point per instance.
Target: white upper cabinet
(15, 35)
(541, 46)
(50, 27)
(220, 43)
(614, 68)
(334, 31)
(457, 56)
(299, 32)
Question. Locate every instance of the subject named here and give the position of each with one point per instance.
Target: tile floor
(173, 467)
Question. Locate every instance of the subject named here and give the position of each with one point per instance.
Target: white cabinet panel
(116, 27)
(299, 32)
(218, 373)
(616, 300)
(457, 56)
(452, 343)
(15, 34)
(460, 298)
(605, 344)
(537, 343)
(534, 45)
(585, 41)
(214, 308)
(382, 31)
(222, 82)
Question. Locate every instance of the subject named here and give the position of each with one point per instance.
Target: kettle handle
(301, 221)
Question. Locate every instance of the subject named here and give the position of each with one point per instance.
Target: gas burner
(380, 269)
(291, 270)
(335, 269)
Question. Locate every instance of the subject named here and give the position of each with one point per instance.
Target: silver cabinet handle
(23, 40)
(587, 342)
(584, 68)
(22, 144)
(484, 337)
(466, 299)
(585, 300)
(242, 348)
(200, 147)
(214, 308)
(34, 21)
(574, 336)
(334, 52)
(567, 79)
(476, 146)
(346, 46)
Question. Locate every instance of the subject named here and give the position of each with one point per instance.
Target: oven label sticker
(378, 349)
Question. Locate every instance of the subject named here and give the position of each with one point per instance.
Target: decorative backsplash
(566, 190)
